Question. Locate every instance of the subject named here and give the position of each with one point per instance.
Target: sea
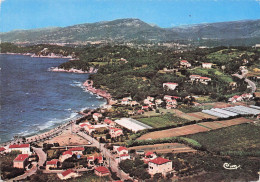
(33, 99)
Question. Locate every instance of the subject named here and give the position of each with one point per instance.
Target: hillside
(245, 32)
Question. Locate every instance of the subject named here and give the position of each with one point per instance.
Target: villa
(102, 171)
(115, 132)
(170, 86)
(96, 116)
(52, 164)
(21, 161)
(206, 65)
(159, 165)
(68, 174)
(109, 122)
(77, 150)
(24, 148)
(185, 64)
(65, 155)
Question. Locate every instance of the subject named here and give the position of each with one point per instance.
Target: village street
(111, 161)
(250, 83)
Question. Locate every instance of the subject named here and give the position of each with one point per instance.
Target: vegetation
(239, 140)
(162, 121)
(141, 75)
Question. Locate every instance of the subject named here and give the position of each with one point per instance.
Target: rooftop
(159, 161)
(21, 157)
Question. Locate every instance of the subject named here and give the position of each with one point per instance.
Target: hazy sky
(28, 14)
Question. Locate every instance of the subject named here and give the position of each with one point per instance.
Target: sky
(29, 14)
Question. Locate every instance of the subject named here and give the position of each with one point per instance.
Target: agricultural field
(161, 121)
(244, 138)
(192, 129)
(165, 148)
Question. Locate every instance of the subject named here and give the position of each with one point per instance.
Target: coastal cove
(34, 100)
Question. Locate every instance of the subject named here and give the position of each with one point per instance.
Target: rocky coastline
(73, 70)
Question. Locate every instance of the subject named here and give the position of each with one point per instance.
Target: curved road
(250, 83)
(41, 154)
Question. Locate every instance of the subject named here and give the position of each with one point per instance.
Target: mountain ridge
(136, 30)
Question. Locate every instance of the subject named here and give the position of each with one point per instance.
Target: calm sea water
(34, 99)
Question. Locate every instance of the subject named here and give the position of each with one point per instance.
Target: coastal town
(131, 139)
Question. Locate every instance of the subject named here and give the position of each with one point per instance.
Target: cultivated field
(165, 148)
(244, 137)
(192, 129)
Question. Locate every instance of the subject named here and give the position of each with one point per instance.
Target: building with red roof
(96, 116)
(2, 149)
(185, 63)
(159, 165)
(102, 171)
(115, 132)
(65, 155)
(52, 164)
(109, 122)
(67, 174)
(21, 161)
(121, 150)
(24, 148)
(77, 150)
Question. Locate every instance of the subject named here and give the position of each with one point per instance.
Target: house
(140, 112)
(109, 122)
(206, 65)
(167, 97)
(115, 132)
(158, 102)
(146, 108)
(170, 86)
(102, 171)
(185, 64)
(52, 164)
(149, 156)
(24, 148)
(2, 150)
(99, 157)
(89, 128)
(126, 100)
(159, 165)
(172, 102)
(65, 155)
(122, 157)
(120, 150)
(21, 161)
(194, 78)
(68, 174)
(96, 116)
(77, 150)
(170, 106)
(205, 80)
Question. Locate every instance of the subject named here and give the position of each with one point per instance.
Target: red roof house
(102, 171)
(20, 161)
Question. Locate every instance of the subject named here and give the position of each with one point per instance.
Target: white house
(120, 150)
(96, 116)
(24, 148)
(159, 165)
(206, 65)
(115, 132)
(194, 77)
(185, 63)
(170, 86)
(77, 150)
(205, 80)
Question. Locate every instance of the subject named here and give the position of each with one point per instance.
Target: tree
(126, 165)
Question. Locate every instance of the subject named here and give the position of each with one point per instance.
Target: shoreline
(45, 135)
(33, 55)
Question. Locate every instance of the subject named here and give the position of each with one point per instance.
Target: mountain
(128, 30)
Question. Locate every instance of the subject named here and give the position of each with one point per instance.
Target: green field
(239, 139)
(226, 55)
(161, 121)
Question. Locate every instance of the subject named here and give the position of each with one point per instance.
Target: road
(25, 175)
(41, 154)
(111, 160)
(250, 83)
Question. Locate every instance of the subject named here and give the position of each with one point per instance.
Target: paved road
(41, 154)
(25, 175)
(250, 83)
(111, 161)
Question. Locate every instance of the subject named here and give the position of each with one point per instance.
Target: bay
(34, 99)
